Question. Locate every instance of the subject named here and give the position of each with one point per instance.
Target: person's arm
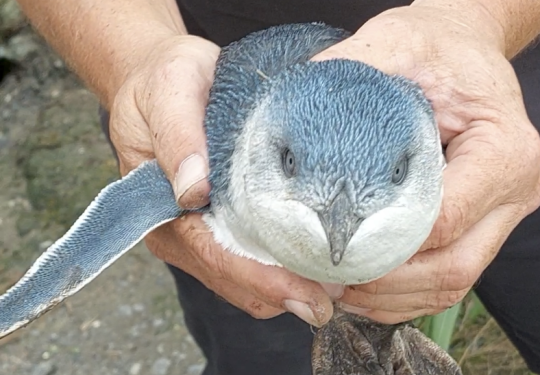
(104, 40)
(514, 23)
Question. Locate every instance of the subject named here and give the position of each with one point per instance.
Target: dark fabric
(510, 287)
(224, 21)
(236, 344)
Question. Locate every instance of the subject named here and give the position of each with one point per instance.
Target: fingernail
(335, 291)
(302, 311)
(193, 169)
(353, 309)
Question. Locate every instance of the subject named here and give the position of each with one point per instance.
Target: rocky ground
(53, 161)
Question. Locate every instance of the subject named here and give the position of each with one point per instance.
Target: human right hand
(158, 113)
(458, 54)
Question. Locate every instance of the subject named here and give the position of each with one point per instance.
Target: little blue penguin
(331, 169)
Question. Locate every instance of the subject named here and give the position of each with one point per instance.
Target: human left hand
(492, 180)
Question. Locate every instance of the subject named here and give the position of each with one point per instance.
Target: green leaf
(442, 326)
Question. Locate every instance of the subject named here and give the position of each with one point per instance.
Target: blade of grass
(476, 309)
(442, 326)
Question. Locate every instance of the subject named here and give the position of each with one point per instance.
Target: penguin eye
(289, 163)
(400, 171)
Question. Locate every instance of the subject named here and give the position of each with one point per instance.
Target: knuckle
(445, 300)
(364, 300)
(459, 277)
(214, 261)
(172, 68)
(450, 224)
(259, 310)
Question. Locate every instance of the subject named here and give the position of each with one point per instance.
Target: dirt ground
(53, 161)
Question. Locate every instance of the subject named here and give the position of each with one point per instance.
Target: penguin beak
(340, 223)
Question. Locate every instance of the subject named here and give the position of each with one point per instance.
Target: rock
(125, 310)
(26, 223)
(138, 307)
(52, 165)
(44, 368)
(135, 369)
(196, 369)
(11, 17)
(44, 245)
(161, 366)
(4, 141)
(20, 47)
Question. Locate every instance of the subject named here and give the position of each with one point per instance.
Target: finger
(159, 242)
(473, 186)
(172, 100)
(404, 303)
(175, 117)
(453, 268)
(388, 317)
(273, 285)
(241, 299)
(281, 288)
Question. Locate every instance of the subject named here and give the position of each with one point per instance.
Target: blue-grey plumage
(331, 169)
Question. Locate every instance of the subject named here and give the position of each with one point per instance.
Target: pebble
(161, 366)
(4, 141)
(138, 307)
(45, 245)
(44, 368)
(124, 284)
(21, 46)
(196, 369)
(125, 310)
(179, 355)
(10, 16)
(135, 369)
(135, 331)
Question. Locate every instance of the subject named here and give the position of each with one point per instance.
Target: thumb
(179, 143)
(175, 115)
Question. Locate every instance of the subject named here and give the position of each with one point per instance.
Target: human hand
(493, 152)
(158, 113)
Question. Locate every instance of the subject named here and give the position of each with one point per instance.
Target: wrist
(482, 19)
(511, 25)
(126, 58)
